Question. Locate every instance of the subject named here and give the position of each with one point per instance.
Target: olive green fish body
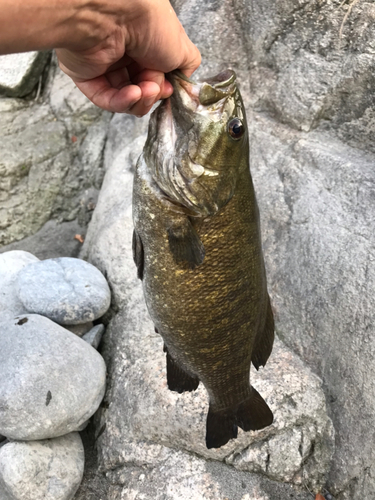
(205, 288)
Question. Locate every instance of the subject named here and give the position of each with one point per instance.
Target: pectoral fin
(138, 254)
(185, 244)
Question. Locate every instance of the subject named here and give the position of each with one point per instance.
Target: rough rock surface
(19, 73)
(10, 265)
(50, 470)
(309, 96)
(312, 158)
(51, 241)
(296, 449)
(51, 381)
(50, 159)
(175, 475)
(68, 291)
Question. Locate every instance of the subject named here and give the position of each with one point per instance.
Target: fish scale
(203, 274)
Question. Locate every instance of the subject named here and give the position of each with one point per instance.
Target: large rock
(310, 106)
(316, 192)
(174, 475)
(51, 381)
(51, 160)
(50, 470)
(68, 291)
(53, 240)
(318, 223)
(10, 265)
(312, 124)
(19, 73)
(140, 409)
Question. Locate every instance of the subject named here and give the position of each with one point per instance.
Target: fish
(197, 248)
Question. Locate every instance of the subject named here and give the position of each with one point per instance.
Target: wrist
(47, 24)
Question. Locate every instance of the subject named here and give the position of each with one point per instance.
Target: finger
(101, 93)
(118, 78)
(150, 95)
(167, 90)
(149, 75)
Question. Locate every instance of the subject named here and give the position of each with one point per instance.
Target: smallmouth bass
(197, 249)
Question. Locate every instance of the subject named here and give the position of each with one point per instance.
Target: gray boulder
(53, 240)
(19, 73)
(51, 165)
(51, 381)
(309, 97)
(312, 158)
(10, 265)
(50, 470)
(297, 448)
(175, 475)
(68, 291)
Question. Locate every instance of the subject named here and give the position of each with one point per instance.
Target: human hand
(120, 66)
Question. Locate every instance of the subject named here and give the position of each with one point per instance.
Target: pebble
(51, 381)
(51, 469)
(69, 291)
(94, 336)
(10, 265)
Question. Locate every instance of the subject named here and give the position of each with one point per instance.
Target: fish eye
(236, 128)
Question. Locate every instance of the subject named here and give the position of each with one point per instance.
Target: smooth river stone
(10, 265)
(51, 381)
(66, 290)
(51, 469)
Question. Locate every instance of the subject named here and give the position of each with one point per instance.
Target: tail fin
(251, 415)
(254, 413)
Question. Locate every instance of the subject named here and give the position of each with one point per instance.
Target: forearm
(44, 24)
(116, 51)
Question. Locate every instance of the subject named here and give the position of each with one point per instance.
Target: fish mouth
(198, 95)
(187, 177)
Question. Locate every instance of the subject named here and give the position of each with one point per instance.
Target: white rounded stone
(66, 290)
(51, 381)
(10, 265)
(51, 469)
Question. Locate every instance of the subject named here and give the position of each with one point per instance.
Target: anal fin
(177, 378)
(264, 340)
(220, 428)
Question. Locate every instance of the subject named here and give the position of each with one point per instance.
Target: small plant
(352, 4)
